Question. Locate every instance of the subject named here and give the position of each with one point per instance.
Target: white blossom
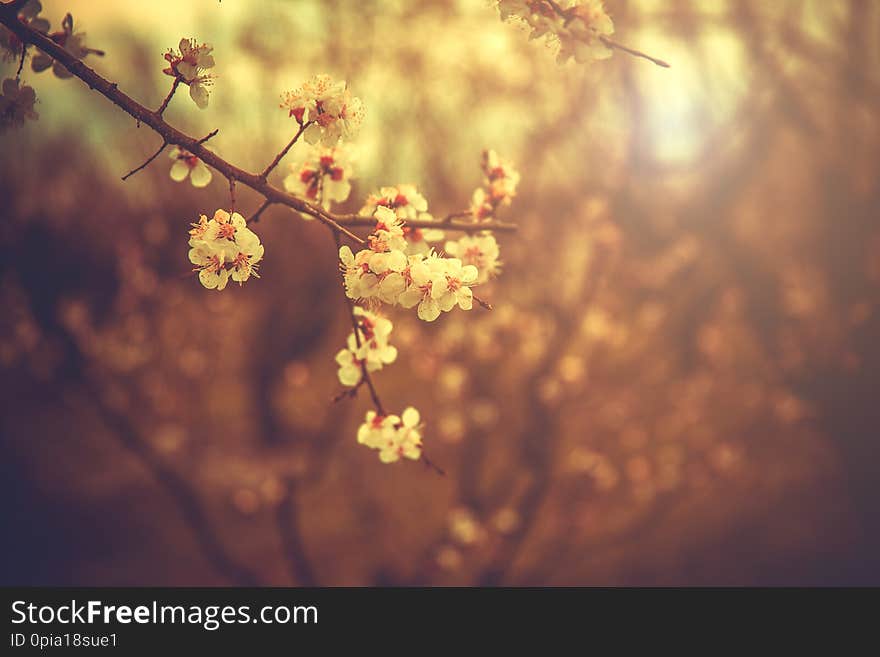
(222, 248)
(578, 27)
(500, 180)
(369, 349)
(10, 44)
(479, 250)
(323, 172)
(395, 437)
(16, 104)
(423, 276)
(404, 200)
(187, 164)
(328, 107)
(580, 38)
(189, 66)
(455, 290)
(69, 39)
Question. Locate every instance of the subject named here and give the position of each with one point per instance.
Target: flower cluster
(10, 44)
(222, 248)
(393, 436)
(69, 39)
(369, 348)
(324, 174)
(187, 164)
(579, 27)
(383, 272)
(327, 107)
(16, 104)
(189, 65)
(500, 180)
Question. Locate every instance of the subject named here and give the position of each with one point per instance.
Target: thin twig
(431, 465)
(284, 150)
(149, 159)
(231, 194)
(168, 97)
(484, 304)
(351, 393)
(631, 51)
(21, 61)
(208, 136)
(255, 217)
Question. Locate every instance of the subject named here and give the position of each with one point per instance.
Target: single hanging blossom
(324, 173)
(16, 104)
(404, 200)
(394, 437)
(581, 37)
(370, 348)
(187, 164)
(10, 44)
(223, 247)
(480, 250)
(72, 41)
(189, 65)
(328, 108)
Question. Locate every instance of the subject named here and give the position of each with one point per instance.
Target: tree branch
(447, 223)
(173, 136)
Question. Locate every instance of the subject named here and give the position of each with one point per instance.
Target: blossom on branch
(328, 108)
(539, 15)
(405, 200)
(189, 65)
(577, 27)
(324, 174)
(187, 164)
(222, 248)
(369, 349)
(580, 38)
(419, 240)
(72, 41)
(16, 104)
(395, 437)
(500, 181)
(480, 250)
(10, 44)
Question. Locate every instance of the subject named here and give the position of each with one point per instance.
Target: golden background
(679, 381)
